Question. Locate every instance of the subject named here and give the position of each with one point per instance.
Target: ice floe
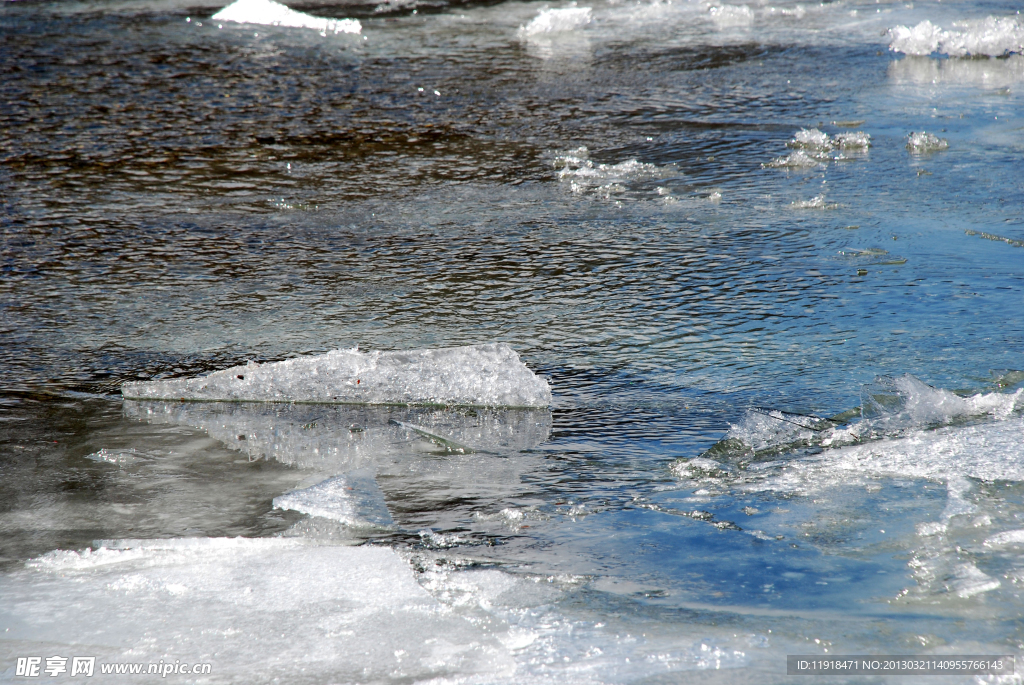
(991, 36)
(813, 148)
(270, 13)
(480, 375)
(350, 614)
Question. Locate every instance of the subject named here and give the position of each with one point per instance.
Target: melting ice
(481, 375)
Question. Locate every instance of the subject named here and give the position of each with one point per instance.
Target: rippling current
(710, 227)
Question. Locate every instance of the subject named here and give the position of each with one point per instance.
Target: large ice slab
(270, 13)
(479, 375)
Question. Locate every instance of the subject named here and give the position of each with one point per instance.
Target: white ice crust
(270, 13)
(992, 36)
(479, 375)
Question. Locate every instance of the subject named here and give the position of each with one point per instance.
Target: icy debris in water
(992, 36)
(856, 140)
(814, 147)
(997, 238)
(480, 375)
(270, 13)
(926, 142)
(583, 175)
(796, 160)
(353, 499)
(119, 457)
(698, 468)
(440, 540)
(731, 15)
(811, 139)
(557, 20)
(817, 202)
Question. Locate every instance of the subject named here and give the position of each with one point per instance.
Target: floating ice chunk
(353, 499)
(270, 13)
(481, 375)
(814, 147)
(584, 176)
(992, 36)
(923, 39)
(731, 15)
(550, 21)
(856, 140)
(926, 142)
(811, 139)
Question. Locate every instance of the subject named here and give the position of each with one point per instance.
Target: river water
(709, 227)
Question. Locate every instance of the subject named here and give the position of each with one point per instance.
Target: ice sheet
(270, 13)
(479, 375)
(348, 614)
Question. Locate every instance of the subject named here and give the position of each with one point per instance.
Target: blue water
(179, 197)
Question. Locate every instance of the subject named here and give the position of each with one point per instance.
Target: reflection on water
(427, 461)
(986, 72)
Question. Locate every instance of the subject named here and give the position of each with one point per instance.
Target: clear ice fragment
(352, 498)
